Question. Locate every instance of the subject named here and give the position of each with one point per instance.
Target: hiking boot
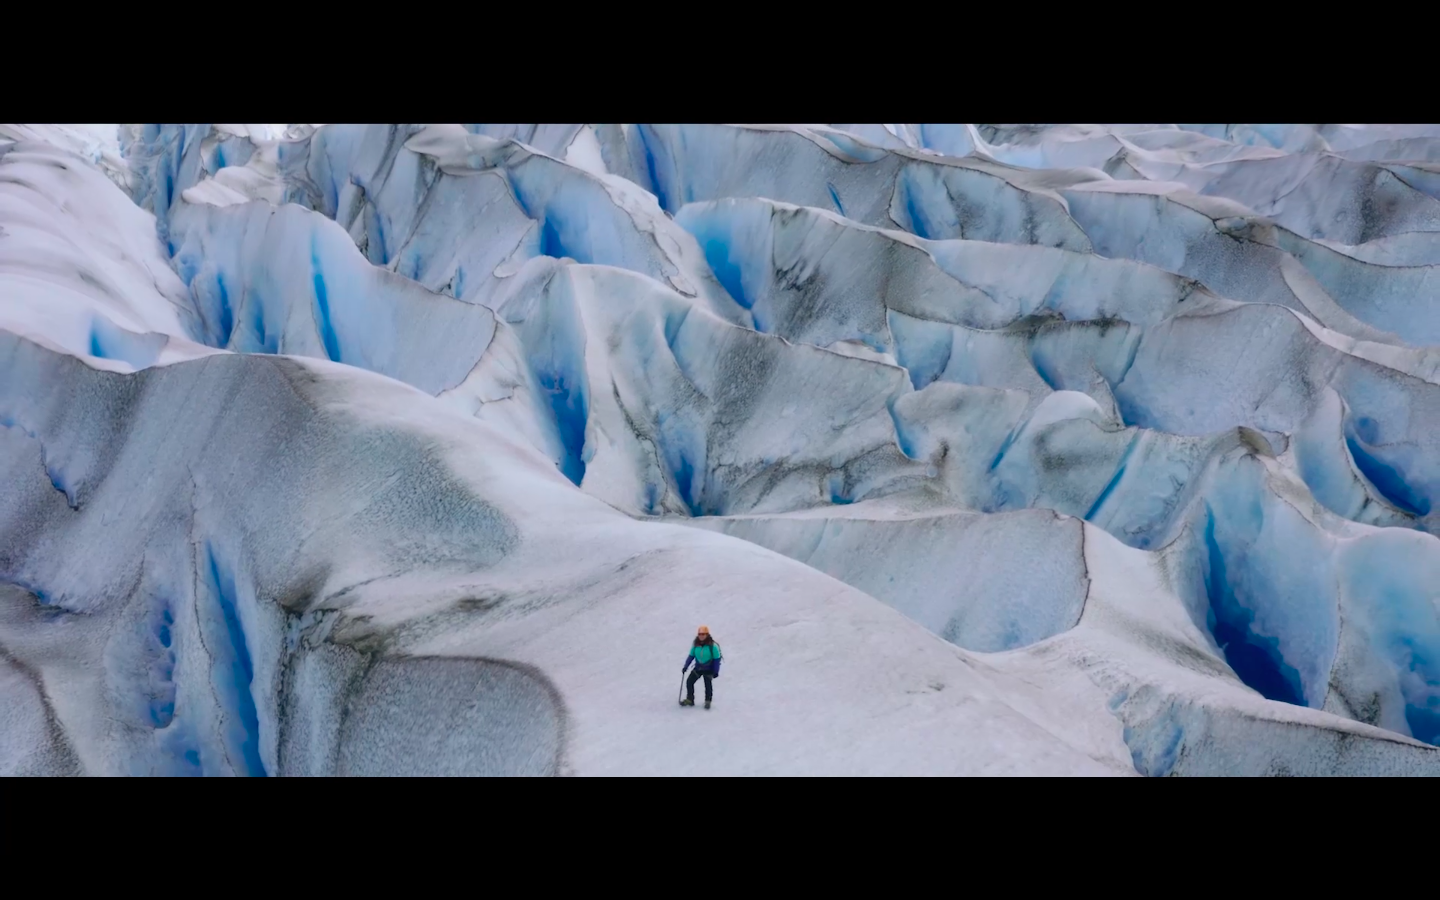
(707, 704)
(687, 702)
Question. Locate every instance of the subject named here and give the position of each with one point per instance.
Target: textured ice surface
(286, 280)
(1005, 449)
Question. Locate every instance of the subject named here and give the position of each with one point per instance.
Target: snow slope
(982, 449)
(200, 599)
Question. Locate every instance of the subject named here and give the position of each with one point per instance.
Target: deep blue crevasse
(676, 441)
(227, 315)
(263, 342)
(1114, 479)
(652, 171)
(903, 437)
(918, 225)
(1387, 478)
(1044, 372)
(162, 693)
(1255, 658)
(1155, 746)
(551, 244)
(236, 664)
(726, 269)
(1006, 445)
(1424, 721)
(571, 411)
(57, 481)
(322, 307)
(685, 480)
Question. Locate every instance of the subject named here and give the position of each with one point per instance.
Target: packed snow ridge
(982, 449)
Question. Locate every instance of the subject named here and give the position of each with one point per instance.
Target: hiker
(705, 654)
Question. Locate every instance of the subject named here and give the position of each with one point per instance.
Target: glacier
(384, 450)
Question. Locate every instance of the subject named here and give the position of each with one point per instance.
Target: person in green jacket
(705, 655)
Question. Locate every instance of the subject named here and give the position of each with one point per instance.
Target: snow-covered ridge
(1191, 369)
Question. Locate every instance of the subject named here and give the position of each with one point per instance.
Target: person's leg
(709, 691)
(690, 684)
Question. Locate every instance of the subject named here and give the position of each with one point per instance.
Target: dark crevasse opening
(1424, 717)
(234, 670)
(682, 441)
(685, 480)
(1039, 364)
(232, 152)
(1055, 367)
(1156, 745)
(43, 597)
(376, 249)
(1421, 688)
(1255, 658)
(904, 437)
(1424, 723)
(923, 349)
(909, 202)
(1133, 413)
(918, 226)
(682, 446)
(322, 308)
(209, 294)
(1114, 479)
(552, 228)
(652, 168)
(258, 339)
(109, 341)
(1393, 583)
(58, 482)
(409, 264)
(162, 690)
(225, 314)
(552, 244)
(675, 322)
(572, 411)
(183, 754)
(1006, 445)
(1389, 479)
(727, 270)
(554, 338)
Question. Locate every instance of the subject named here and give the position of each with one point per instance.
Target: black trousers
(695, 676)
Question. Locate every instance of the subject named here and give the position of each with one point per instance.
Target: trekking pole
(682, 687)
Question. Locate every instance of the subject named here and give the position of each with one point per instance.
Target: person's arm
(689, 658)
